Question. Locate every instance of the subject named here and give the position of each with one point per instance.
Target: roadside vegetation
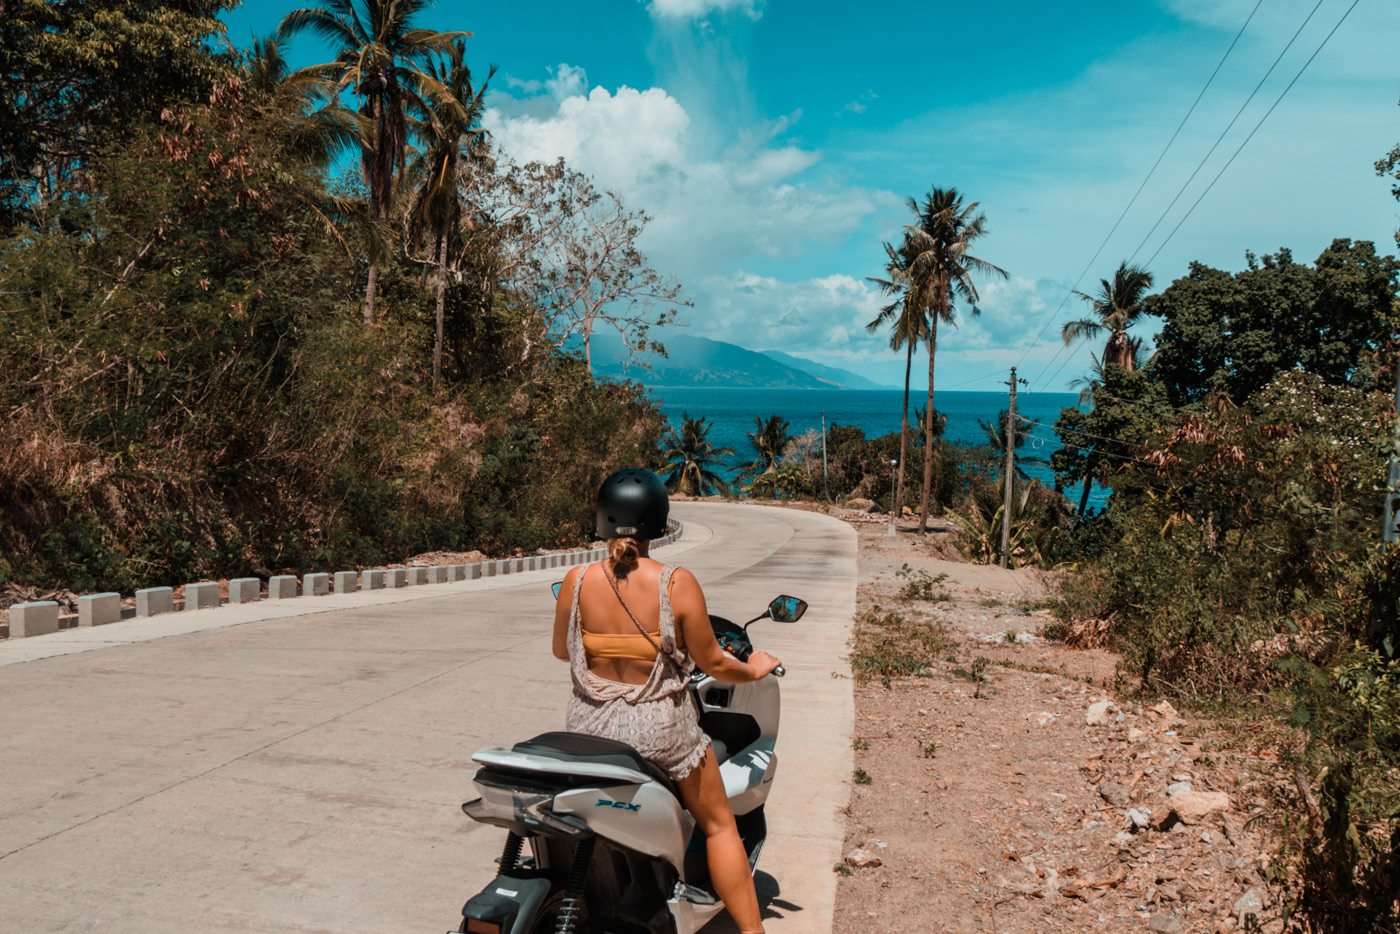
(259, 319)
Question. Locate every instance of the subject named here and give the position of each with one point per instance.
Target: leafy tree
(1389, 164)
(592, 271)
(380, 58)
(1126, 410)
(941, 268)
(1236, 333)
(1115, 309)
(76, 77)
(908, 325)
(692, 460)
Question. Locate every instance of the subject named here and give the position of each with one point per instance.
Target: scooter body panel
(646, 818)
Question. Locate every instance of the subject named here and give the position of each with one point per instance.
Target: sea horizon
(732, 410)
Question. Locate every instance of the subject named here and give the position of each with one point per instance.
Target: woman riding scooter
(631, 628)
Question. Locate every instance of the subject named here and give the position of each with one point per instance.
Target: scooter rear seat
(581, 747)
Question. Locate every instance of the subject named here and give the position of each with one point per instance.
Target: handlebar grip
(780, 671)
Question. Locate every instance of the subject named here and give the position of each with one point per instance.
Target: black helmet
(632, 503)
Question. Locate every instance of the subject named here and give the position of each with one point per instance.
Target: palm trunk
(1084, 496)
(928, 427)
(898, 504)
(441, 303)
(371, 288)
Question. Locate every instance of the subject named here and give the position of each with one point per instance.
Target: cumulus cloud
(695, 9)
(710, 212)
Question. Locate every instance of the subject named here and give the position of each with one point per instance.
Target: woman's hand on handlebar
(762, 664)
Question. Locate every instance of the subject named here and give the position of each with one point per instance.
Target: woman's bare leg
(703, 793)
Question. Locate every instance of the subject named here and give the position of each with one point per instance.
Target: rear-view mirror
(556, 587)
(786, 609)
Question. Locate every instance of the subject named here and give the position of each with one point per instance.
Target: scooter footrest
(695, 895)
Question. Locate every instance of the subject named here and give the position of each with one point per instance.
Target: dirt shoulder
(1007, 788)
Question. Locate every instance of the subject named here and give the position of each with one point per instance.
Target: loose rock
(862, 859)
(1099, 713)
(1193, 807)
(1116, 794)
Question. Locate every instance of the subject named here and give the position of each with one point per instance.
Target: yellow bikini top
(626, 645)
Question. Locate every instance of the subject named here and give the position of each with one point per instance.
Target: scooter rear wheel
(547, 921)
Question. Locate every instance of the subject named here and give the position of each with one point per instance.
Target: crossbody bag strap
(635, 622)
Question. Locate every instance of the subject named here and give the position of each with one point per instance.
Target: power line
(1133, 200)
(1227, 129)
(1276, 102)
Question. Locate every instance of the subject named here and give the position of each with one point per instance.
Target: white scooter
(611, 847)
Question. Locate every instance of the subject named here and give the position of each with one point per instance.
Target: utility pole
(891, 533)
(1010, 473)
(826, 488)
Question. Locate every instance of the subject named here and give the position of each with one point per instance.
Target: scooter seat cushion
(585, 748)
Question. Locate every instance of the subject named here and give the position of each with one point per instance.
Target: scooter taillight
(482, 927)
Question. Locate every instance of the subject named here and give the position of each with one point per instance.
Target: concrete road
(298, 765)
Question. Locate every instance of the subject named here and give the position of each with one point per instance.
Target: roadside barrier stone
(99, 609)
(33, 619)
(244, 590)
(40, 618)
(202, 596)
(281, 587)
(153, 600)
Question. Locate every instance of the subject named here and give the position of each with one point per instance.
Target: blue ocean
(877, 411)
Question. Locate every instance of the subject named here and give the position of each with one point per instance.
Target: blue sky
(774, 145)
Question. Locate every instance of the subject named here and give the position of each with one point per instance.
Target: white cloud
(695, 9)
(750, 201)
(566, 81)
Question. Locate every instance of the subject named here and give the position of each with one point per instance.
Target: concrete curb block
(152, 600)
(99, 609)
(244, 590)
(33, 619)
(202, 595)
(281, 587)
(41, 618)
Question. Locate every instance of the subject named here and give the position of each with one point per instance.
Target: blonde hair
(625, 554)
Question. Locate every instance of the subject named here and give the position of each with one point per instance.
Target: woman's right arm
(693, 617)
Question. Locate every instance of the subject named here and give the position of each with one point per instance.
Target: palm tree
(769, 442)
(692, 459)
(1116, 307)
(378, 60)
(321, 129)
(940, 270)
(452, 125)
(996, 440)
(908, 326)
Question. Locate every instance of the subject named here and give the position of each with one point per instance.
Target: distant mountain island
(698, 361)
